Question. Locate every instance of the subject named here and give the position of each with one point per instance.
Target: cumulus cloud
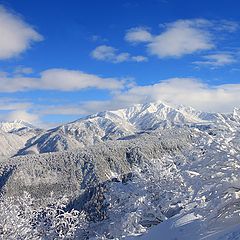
(181, 37)
(69, 80)
(186, 91)
(21, 115)
(139, 58)
(61, 80)
(16, 35)
(138, 34)
(14, 109)
(175, 91)
(217, 60)
(110, 54)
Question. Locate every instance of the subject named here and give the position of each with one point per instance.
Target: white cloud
(226, 25)
(217, 60)
(70, 80)
(181, 37)
(61, 80)
(21, 115)
(186, 91)
(139, 34)
(10, 104)
(97, 38)
(110, 54)
(14, 109)
(23, 70)
(3, 74)
(16, 35)
(139, 59)
(176, 91)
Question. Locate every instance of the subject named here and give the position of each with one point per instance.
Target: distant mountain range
(108, 125)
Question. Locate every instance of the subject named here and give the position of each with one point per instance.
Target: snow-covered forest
(154, 171)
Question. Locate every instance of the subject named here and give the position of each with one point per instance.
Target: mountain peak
(8, 126)
(236, 112)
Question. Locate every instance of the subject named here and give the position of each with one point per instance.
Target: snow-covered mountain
(112, 125)
(10, 143)
(151, 170)
(14, 135)
(185, 178)
(15, 126)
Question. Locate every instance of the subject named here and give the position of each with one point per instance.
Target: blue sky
(60, 60)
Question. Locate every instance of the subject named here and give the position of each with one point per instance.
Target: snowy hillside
(10, 143)
(148, 172)
(15, 126)
(14, 135)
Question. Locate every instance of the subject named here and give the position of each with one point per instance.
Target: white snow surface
(14, 136)
(14, 126)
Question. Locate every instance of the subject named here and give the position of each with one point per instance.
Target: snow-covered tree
(22, 218)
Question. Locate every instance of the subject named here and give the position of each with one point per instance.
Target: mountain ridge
(112, 125)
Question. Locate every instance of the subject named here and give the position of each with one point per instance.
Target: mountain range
(108, 125)
(150, 168)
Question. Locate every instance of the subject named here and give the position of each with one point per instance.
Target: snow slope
(10, 143)
(15, 126)
(14, 135)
